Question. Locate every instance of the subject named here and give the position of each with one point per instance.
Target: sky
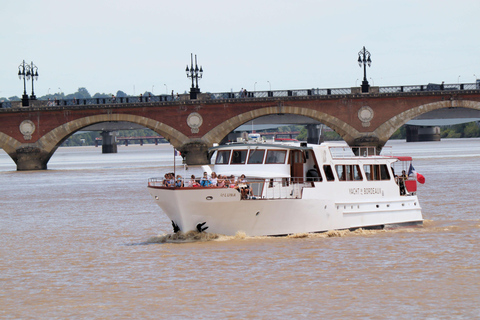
(145, 45)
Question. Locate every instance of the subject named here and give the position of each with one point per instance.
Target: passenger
(205, 182)
(171, 182)
(221, 181)
(401, 183)
(179, 182)
(312, 174)
(166, 180)
(243, 187)
(213, 180)
(193, 182)
(231, 181)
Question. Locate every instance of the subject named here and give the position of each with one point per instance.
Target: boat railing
(358, 151)
(281, 188)
(270, 188)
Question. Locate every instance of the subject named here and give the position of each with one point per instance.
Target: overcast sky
(134, 46)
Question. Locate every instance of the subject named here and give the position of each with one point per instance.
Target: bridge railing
(430, 87)
(253, 94)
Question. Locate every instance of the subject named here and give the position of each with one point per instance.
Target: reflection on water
(67, 252)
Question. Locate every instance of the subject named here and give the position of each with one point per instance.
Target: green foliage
(471, 130)
(303, 134)
(401, 133)
(101, 95)
(463, 130)
(121, 94)
(331, 136)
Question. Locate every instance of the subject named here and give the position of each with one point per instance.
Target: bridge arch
(35, 156)
(9, 145)
(388, 128)
(347, 132)
(50, 141)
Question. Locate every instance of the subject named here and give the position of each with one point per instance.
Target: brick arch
(50, 141)
(388, 128)
(347, 132)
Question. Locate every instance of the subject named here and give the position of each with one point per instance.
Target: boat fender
(200, 227)
(176, 228)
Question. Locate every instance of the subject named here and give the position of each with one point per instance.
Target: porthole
(209, 198)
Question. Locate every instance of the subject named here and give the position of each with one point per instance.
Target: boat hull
(224, 212)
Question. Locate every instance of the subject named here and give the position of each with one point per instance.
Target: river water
(83, 240)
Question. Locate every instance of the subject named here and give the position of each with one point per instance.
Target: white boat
(295, 188)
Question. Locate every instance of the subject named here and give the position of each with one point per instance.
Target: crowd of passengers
(214, 180)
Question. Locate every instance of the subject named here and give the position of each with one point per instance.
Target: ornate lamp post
(194, 73)
(364, 58)
(23, 70)
(26, 72)
(34, 75)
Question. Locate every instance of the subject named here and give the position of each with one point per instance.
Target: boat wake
(180, 237)
(194, 236)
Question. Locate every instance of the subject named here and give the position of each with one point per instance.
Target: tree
(121, 94)
(101, 95)
(82, 93)
(471, 130)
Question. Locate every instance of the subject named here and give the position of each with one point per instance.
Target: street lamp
(24, 72)
(34, 75)
(364, 58)
(254, 87)
(194, 73)
(270, 85)
(166, 88)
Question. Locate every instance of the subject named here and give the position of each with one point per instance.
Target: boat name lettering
(227, 195)
(365, 191)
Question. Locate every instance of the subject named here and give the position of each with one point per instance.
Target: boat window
(357, 174)
(239, 157)
(384, 175)
(222, 157)
(256, 156)
(328, 172)
(376, 172)
(340, 172)
(276, 156)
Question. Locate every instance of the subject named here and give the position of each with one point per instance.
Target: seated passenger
(193, 182)
(179, 182)
(166, 180)
(213, 180)
(243, 187)
(205, 182)
(220, 181)
(231, 181)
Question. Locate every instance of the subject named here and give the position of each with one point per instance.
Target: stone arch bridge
(31, 135)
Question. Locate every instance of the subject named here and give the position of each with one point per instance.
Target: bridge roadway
(30, 135)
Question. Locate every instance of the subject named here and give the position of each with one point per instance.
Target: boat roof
(243, 145)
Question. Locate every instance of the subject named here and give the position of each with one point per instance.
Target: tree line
(82, 93)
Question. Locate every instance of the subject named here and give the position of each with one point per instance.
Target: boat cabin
(306, 165)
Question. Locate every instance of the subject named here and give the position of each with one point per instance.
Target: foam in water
(194, 236)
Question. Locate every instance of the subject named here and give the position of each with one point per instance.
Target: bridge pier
(368, 144)
(30, 157)
(195, 153)
(417, 133)
(313, 134)
(109, 143)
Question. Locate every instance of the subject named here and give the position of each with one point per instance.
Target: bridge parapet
(315, 93)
